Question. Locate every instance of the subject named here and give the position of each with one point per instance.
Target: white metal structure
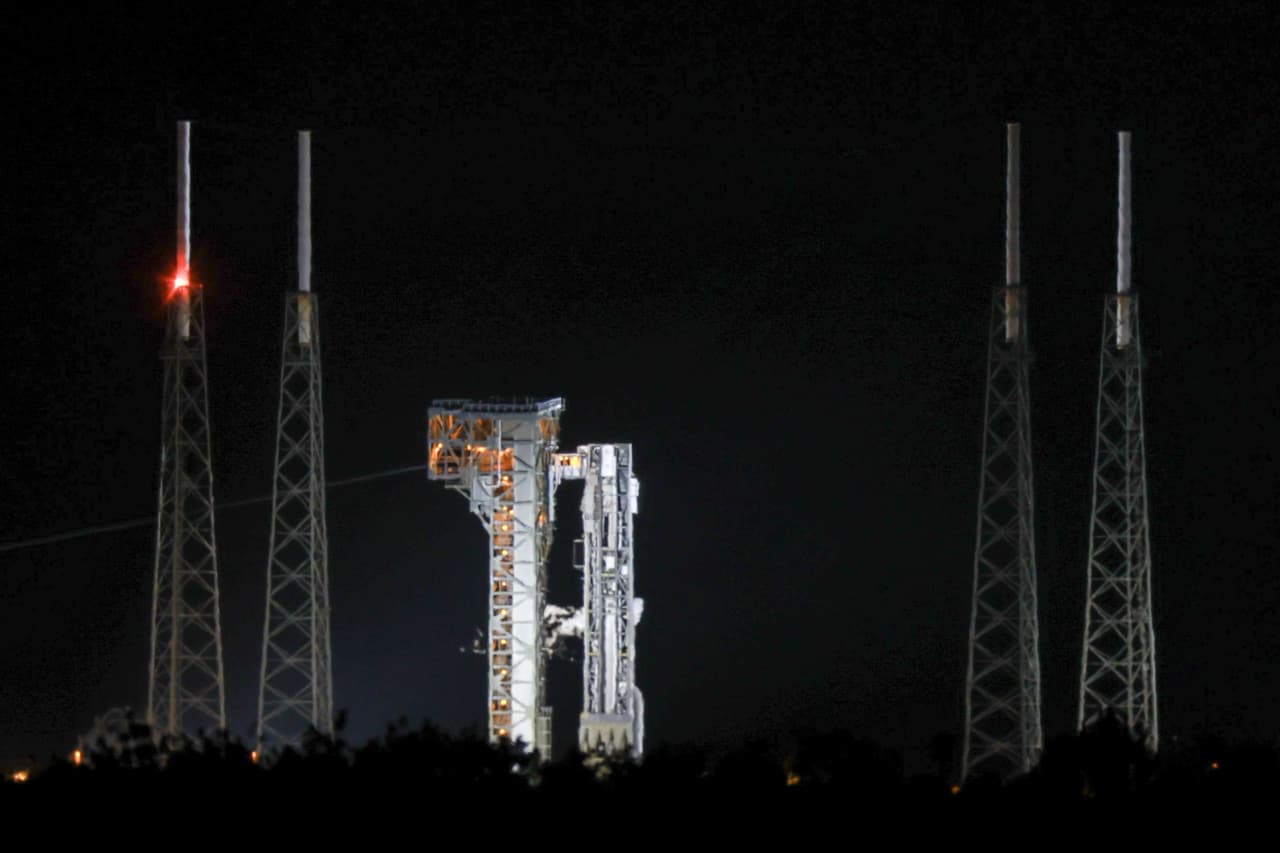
(186, 692)
(612, 718)
(499, 456)
(1118, 667)
(295, 686)
(1002, 729)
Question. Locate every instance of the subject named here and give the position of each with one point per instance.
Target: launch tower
(295, 688)
(498, 455)
(186, 693)
(612, 718)
(1118, 668)
(1002, 735)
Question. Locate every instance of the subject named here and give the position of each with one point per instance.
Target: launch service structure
(499, 455)
(612, 718)
(503, 457)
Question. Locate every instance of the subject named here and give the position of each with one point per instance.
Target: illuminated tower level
(185, 692)
(499, 455)
(1002, 735)
(1118, 669)
(295, 688)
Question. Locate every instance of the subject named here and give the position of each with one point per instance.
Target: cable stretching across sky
(147, 520)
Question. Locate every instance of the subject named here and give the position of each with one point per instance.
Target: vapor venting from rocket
(1124, 219)
(1012, 232)
(304, 211)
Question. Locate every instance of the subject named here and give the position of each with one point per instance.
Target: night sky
(756, 241)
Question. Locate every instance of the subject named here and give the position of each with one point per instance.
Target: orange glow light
(179, 281)
(77, 757)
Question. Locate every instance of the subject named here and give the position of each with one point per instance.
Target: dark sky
(756, 240)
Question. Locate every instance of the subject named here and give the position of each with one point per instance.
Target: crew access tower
(498, 455)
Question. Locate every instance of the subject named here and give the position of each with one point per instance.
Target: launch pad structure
(502, 457)
(612, 719)
(498, 455)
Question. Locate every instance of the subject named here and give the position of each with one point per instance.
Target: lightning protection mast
(295, 691)
(1002, 734)
(1118, 669)
(498, 455)
(186, 693)
(612, 718)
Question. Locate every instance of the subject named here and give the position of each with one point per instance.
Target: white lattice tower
(1118, 667)
(1002, 735)
(296, 681)
(186, 692)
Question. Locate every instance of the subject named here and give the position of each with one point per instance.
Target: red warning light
(180, 280)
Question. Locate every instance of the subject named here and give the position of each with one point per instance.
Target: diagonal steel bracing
(1002, 692)
(186, 693)
(1118, 668)
(296, 685)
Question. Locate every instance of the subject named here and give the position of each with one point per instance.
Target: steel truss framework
(1002, 695)
(296, 685)
(498, 455)
(1118, 668)
(186, 692)
(612, 719)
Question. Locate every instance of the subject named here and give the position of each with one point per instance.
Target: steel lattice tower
(186, 692)
(295, 688)
(1002, 734)
(1118, 667)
